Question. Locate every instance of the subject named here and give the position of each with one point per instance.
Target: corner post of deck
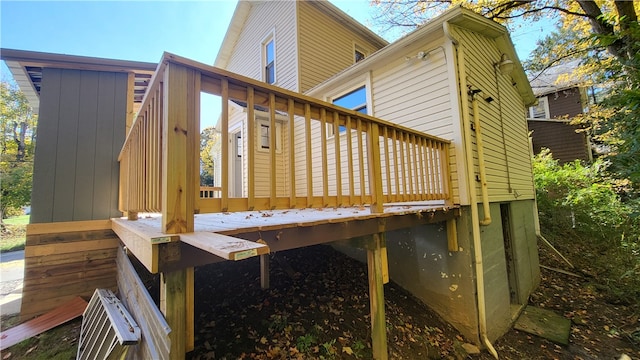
(376, 265)
(375, 168)
(180, 184)
(180, 150)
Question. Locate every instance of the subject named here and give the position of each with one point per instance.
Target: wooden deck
(272, 230)
(376, 177)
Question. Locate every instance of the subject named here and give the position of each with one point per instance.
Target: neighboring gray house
(560, 98)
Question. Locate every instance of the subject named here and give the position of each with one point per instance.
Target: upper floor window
(269, 60)
(358, 53)
(540, 111)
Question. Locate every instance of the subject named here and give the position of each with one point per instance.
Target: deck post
(173, 299)
(180, 150)
(375, 168)
(180, 185)
(264, 271)
(376, 296)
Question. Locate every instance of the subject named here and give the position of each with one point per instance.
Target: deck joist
(235, 236)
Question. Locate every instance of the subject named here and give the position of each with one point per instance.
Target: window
(540, 111)
(354, 100)
(264, 134)
(239, 145)
(269, 60)
(358, 53)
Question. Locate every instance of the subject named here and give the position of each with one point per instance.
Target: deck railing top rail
(326, 156)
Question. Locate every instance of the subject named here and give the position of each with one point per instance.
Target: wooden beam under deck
(280, 229)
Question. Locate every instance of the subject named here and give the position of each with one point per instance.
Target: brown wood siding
(61, 265)
(561, 138)
(565, 103)
(80, 132)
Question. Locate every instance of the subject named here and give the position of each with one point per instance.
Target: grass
(17, 220)
(14, 234)
(59, 343)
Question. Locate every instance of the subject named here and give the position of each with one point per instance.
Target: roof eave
(18, 60)
(458, 16)
(332, 10)
(233, 33)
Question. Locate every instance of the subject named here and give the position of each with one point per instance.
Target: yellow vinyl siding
(238, 122)
(481, 53)
(417, 94)
(326, 46)
(277, 17)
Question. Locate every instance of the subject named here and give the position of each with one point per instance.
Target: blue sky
(143, 30)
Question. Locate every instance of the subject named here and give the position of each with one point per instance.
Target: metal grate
(107, 328)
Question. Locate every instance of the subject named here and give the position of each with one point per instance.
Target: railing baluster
(337, 157)
(291, 106)
(350, 161)
(432, 171)
(307, 133)
(403, 169)
(395, 165)
(159, 159)
(360, 161)
(411, 163)
(325, 167)
(272, 151)
(224, 128)
(251, 149)
(424, 191)
(387, 165)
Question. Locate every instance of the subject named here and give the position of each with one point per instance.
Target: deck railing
(326, 156)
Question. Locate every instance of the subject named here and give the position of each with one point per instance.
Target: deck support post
(173, 304)
(264, 271)
(376, 295)
(452, 235)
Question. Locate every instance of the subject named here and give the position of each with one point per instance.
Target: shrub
(582, 209)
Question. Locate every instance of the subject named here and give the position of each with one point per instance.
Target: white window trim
(547, 113)
(347, 88)
(271, 36)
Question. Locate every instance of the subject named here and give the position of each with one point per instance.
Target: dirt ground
(318, 308)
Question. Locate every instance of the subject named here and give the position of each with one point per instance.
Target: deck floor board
(278, 229)
(250, 221)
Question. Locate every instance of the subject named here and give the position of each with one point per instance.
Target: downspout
(475, 218)
(483, 171)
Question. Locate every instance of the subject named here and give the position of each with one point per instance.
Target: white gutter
(475, 218)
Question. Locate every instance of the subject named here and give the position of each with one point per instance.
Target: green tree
(614, 114)
(608, 20)
(209, 142)
(18, 123)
